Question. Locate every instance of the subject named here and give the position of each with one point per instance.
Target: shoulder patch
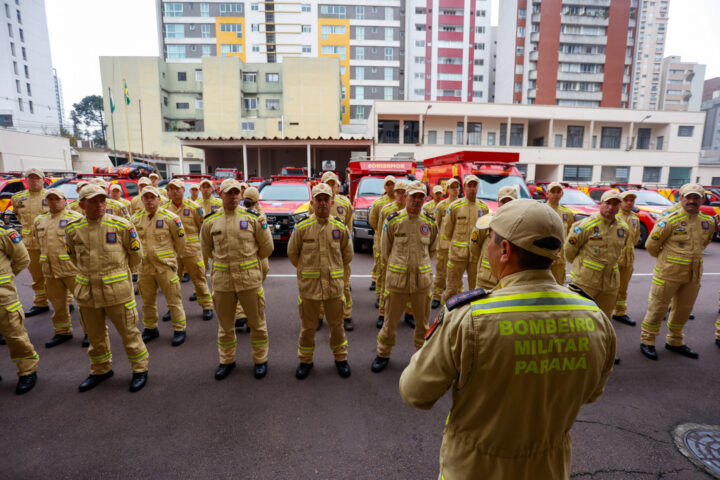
(438, 321)
(580, 291)
(254, 212)
(392, 215)
(465, 297)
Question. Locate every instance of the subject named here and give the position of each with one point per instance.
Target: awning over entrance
(262, 157)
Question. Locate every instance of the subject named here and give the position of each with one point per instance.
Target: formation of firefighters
(91, 249)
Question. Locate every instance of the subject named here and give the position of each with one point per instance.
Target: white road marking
(292, 275)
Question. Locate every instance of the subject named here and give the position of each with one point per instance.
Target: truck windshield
(649, 198)
(490, 184)
(576, 197)
(295, 193)
(373, 186)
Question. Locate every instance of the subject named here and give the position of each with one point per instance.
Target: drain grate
(701, 445)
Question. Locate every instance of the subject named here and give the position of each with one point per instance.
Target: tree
(89, 113)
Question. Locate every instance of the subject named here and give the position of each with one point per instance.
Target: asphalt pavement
(185, 424)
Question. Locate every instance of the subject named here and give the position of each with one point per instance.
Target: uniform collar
(525, 277)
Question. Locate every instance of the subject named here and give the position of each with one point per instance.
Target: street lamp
(422, 139)
(630, 147)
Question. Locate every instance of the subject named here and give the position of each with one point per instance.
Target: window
(206, 50)
(359, 33)
(448, 138)
(359, 93)
(518, 87)
(27, 71)
(576, 173)
(12, 49)
(388, 131)
(230, 9)
(477, 78)
(479, 29)
(165, 101)
(477, 93)
(19, 17)
(306, 28)
(558, 140)
(15, 68)
(250, 77)
(20, 105)
(232, 27)
(333, 50)
(453, 77)
(651, 174)
(479, 46)
(516, 134)
(272, 77)
(7, 10)
(360, 13)
(29, 92)
(360, 112)
(388, 54)
(250, 103)
(432, 137)
(24, 53)
(359, 73)
(182, 105)
(685, 131)
(419, 43)
(173, 9)
(575, 136)
(419, 60)
(254, 7)
(610, 137)
(182, 76)
(411, 131)
(388, 74)
(338, 10)
(520, 31)
(205, 30)
(232, 48)
(248, 126)
(474, 133)
(659, 144)
(480, 13)
(520, 51)
(643, 138)
(359, 53)
(460, 130)
(522, 13)
(614, 174)
(176, 51)
(175, 30)
(30, 105)
(306, 49)
(204, 9)
(679, 176)
(388, 94)
(18, 89)
(272, 104)
(389, 13)
(330, 30)
(305, 8)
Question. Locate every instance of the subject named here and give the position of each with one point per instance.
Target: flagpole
(142, 143)
(112, 123)
(127, 123)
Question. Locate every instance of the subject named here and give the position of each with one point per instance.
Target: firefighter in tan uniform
(453, 190)
(554, 194)
(341, 209)
(373, 220)
(114, 207)
(116, 193)
(678, 241)
(59, 271)
(27, 205)
(505, 421)
(191, 260)
(627, 259)
(14, 259)
(397, 204)
(480, 241)
(431, 206)
(237, 240)
(104, 248)
(136, 204)
(321, 249)
(75, 204)
(208, 202)
(458, 223)
(195, 193)
(155, 182)
(162, 236)
(409, 241)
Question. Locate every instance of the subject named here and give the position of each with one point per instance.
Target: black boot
(93, 381)
(343, 368)
(649, 351)
(185, 278)
(166, 317)
(193, 297)
(372, 286)
(717, 342)
(35, 310)
(224, 370)
(435, 304)
(303, 370)
(260, 370)
(150, 334)
(320, 322)
(410, 320)
(683, 350)
(348, 324)
(71, 308)
(377, 303)
(138, 381)
(2, 340)
(624, 319)
(57, 340)
(379, 364)
(25, 383)
(207, 315)
(240, 322)
(178, 338)
(86, 342)
(380, 321)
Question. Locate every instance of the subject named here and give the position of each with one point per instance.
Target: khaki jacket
(14, 258)
(429, 207)
(479, 242)
(459, 220)
(210, 206)
(114, 207)
(237, 241)
(104, 251)
(568, 219)
(342, 209)
(521, 361)
(678, 241)
(320, 249)
(136, 204)
(374, 215)
(49, 231)
(191, 215)
(408, 243)
(594, 247)
(162, 238)
(440, 211)
(633, 223)
(27, 205)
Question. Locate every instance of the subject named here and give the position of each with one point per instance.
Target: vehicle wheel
(643, 236)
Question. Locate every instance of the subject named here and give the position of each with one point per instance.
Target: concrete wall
(20, 151)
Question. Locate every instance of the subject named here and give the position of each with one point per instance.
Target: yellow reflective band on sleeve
(174, 280)
(425, 269)
(337, 274)
(14, 307)
(204, 299)
(166, 254)
(305, 274)
(533, 302)
(485, 264)
(115, 278)
(43, 258)
(137, 358)
(674, 326)
(30, 357)
(182, 321)
(593, 265)
(616, 268)
(261, 292)
(259, 343)
(249, 264)
(621, 303)
(101, 358)
(343, 344)
(678, 260)
(192, 239)
(306, 349)
(227, 345)
(444, 237)
(39, 292)
(62, 325)
(717, 322)
(82, 280)
(397, 268)
(64, 256)
(460, 244)
(5, 278)
(25, 231)
(220, 267)
(384, 340)
(657, 281)
(131, 304)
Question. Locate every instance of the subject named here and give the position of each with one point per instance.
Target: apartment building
(681, 85)
(366, 38)
(449, 49)
(649, 53)
(27, 88)
(59, 98)
(566, 52)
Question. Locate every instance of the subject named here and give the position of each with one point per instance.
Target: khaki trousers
(440, 274)
(662, 292)
(253, 303)
(169, 283)
(376, 261)
(195, 267)
(559, 271)
(605, 299)
(57, 291)
(396, 302)
(265, 267)
(347, 305)
(38, 278)
(621, 301)
(309, 314)
(12, 327)
(455, 271)
(125, 319)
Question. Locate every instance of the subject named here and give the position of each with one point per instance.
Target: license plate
(276, 237)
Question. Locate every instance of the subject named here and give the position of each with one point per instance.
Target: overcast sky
(83, 30)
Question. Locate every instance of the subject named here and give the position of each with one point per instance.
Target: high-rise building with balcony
(565, 52)
(681, 85)
(368, 39)
(649, 52)
(59, 97)
(448, 50)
